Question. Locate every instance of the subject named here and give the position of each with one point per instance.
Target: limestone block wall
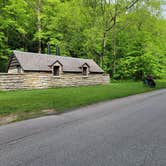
(11, 81)
(69, 79)
(15, 70)
(36, 80)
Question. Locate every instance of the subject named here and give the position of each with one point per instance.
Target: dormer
(85, 69)
(57, 68)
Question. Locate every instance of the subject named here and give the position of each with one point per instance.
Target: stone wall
(47, 80)
(11, 81)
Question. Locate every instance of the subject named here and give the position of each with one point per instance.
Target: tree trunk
(114, 47)
(39, 25)
(103, 49)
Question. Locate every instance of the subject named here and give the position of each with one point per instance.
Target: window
(56, 70)
(85, 71)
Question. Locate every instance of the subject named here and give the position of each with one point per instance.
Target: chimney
(57, 50)
(48, 48)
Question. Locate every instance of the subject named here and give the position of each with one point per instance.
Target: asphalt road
(124, 132)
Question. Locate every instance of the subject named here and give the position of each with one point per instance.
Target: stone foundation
(47, 80)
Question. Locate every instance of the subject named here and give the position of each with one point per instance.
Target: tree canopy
(125, 37)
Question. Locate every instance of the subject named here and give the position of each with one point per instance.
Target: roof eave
(66, 71)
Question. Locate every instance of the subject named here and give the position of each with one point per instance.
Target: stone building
(34, 71)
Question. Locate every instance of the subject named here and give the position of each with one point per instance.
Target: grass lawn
(31, 103)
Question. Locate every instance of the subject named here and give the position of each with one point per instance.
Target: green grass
(27, 104)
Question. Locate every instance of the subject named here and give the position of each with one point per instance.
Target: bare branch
(132, 4)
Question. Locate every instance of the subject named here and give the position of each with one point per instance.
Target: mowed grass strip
(31, 103)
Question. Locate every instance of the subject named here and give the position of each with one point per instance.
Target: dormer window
(56, 70)
(85, 71)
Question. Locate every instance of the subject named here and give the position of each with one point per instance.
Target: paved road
(124, 132)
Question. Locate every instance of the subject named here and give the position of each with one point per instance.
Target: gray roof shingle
(41, 62)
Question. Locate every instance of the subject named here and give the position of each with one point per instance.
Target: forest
(127, 38)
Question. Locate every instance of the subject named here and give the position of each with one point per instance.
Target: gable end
(14, 65)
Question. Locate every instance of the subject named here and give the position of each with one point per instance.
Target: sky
(164, 10)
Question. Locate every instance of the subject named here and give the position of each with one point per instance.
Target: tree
(126, 37)
(141, 43)
(107, 14)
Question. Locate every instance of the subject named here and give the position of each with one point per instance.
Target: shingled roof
(41, 62)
